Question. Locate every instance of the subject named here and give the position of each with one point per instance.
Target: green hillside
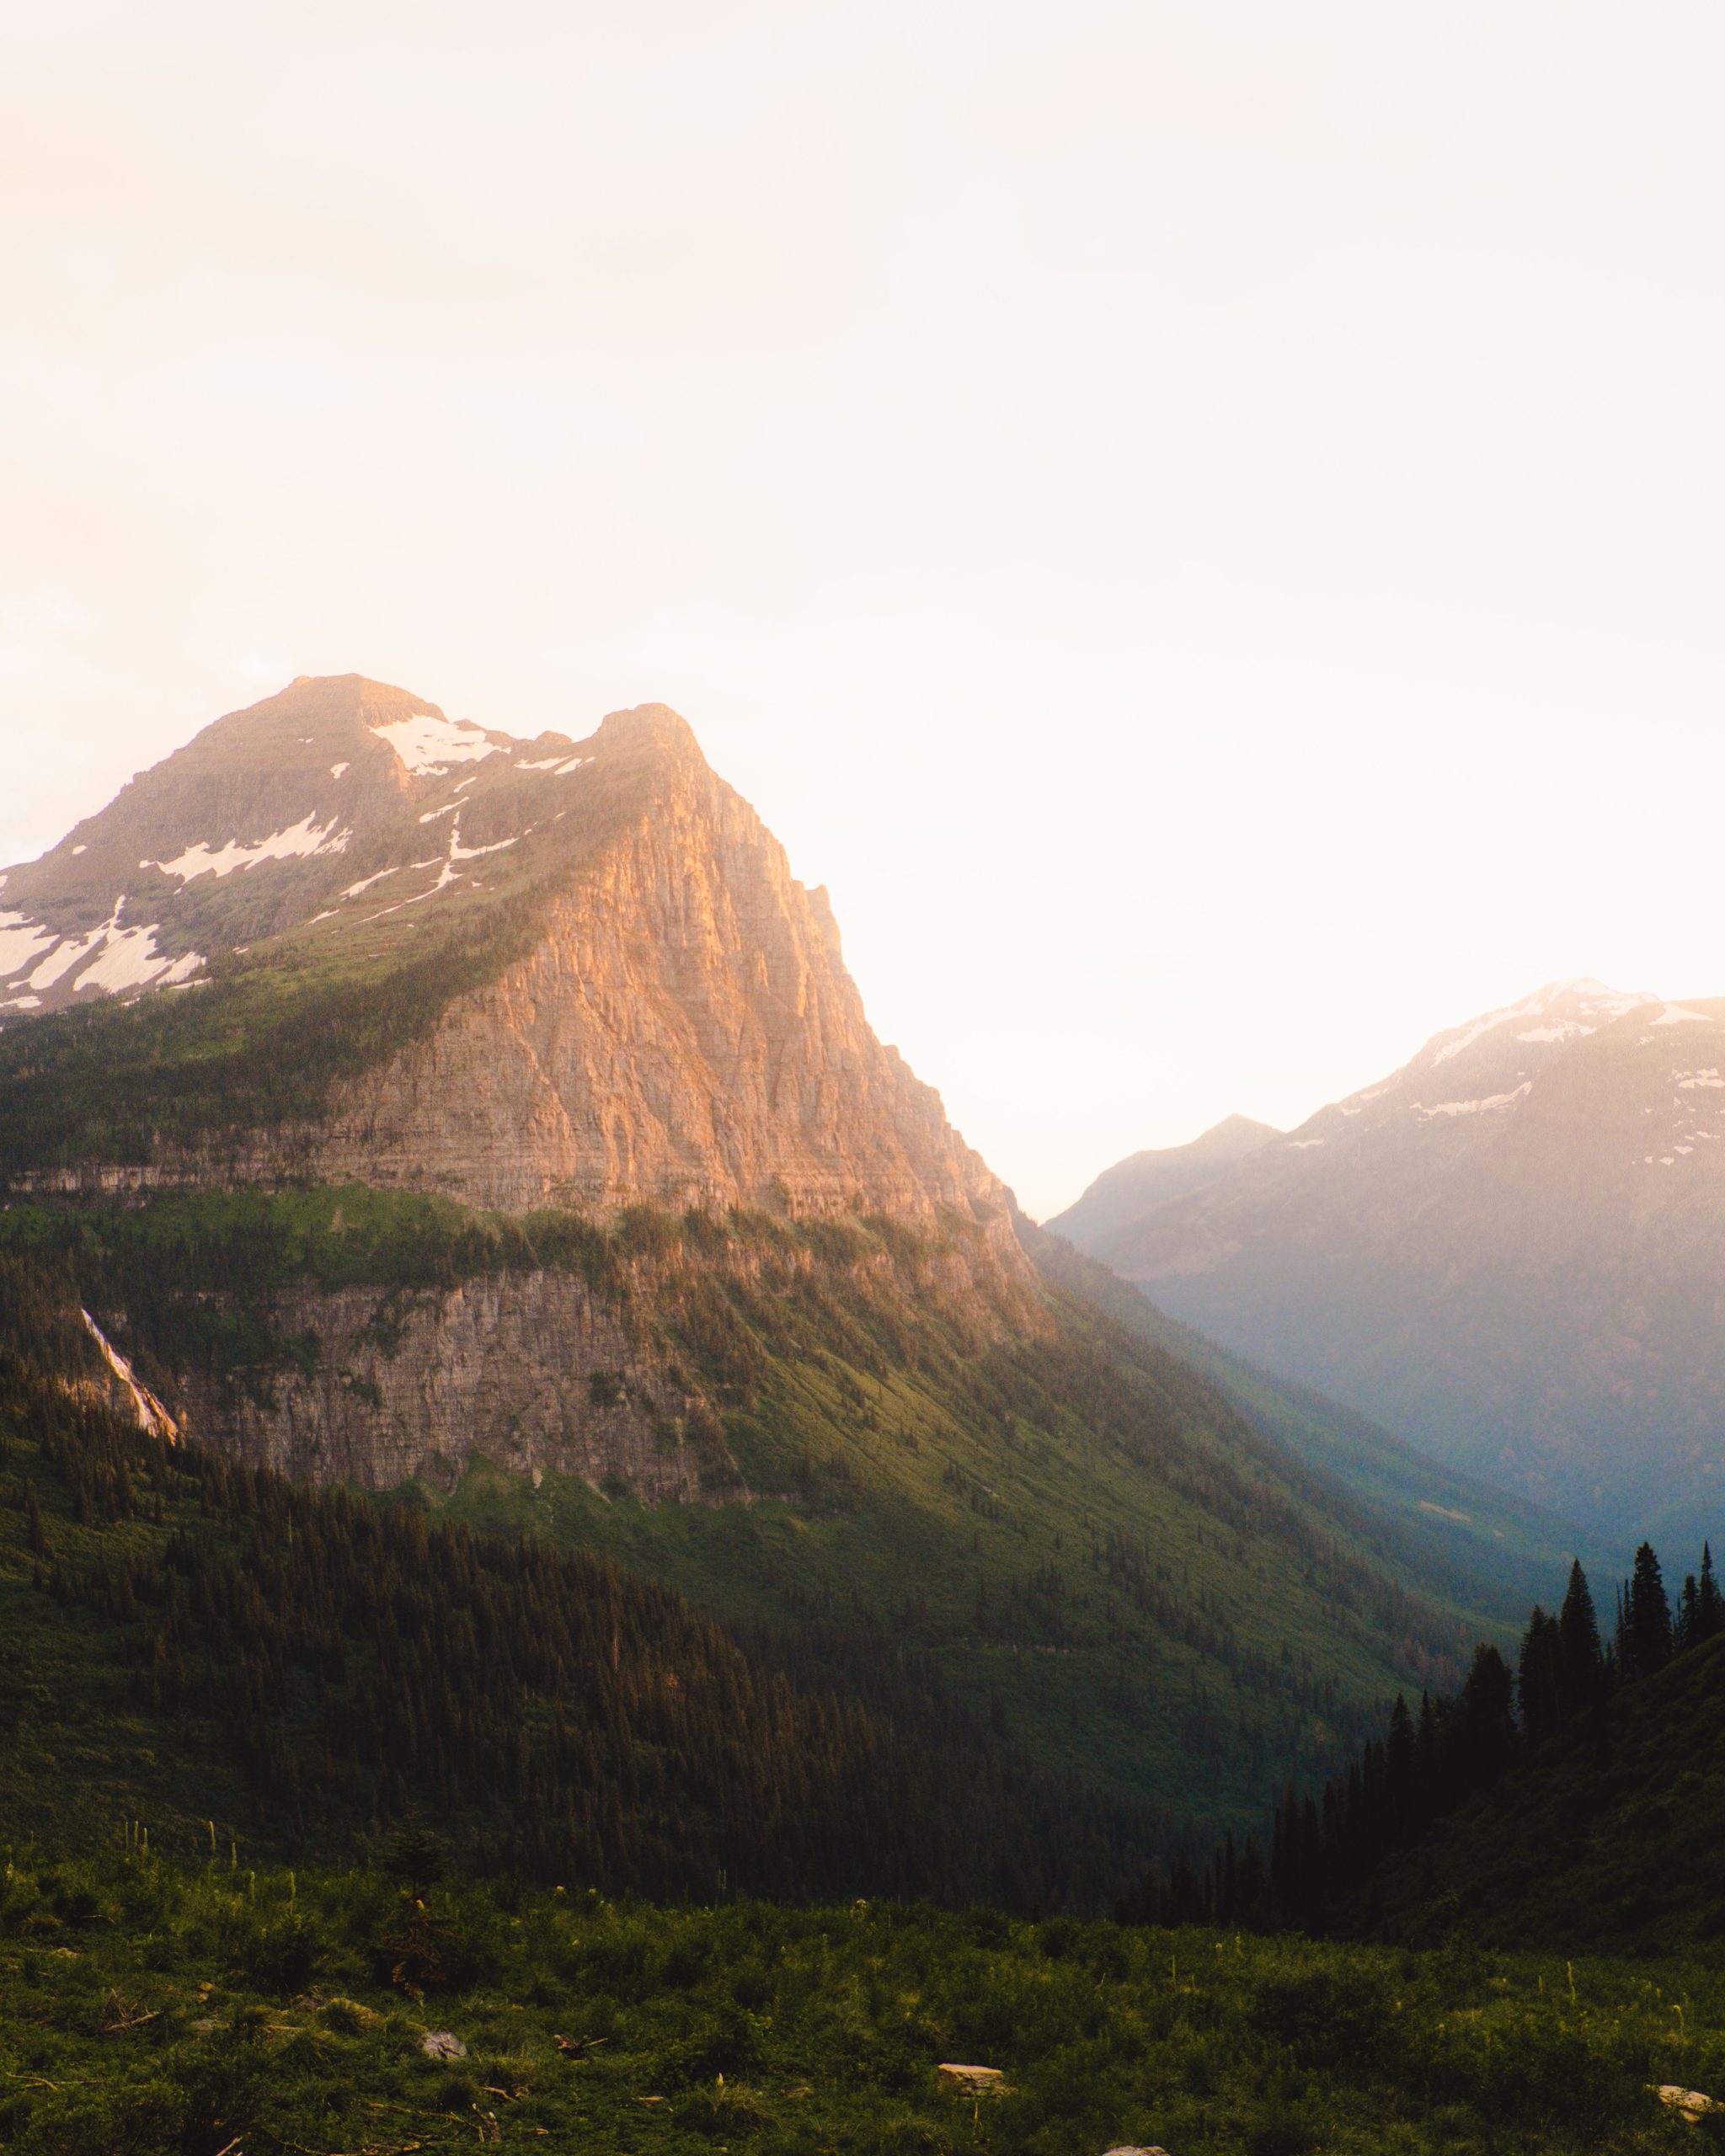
(1607, 1838)
(1497, 1553)
(1090, 1548)
(289, 1670)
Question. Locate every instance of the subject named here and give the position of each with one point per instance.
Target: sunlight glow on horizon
(1199, 527)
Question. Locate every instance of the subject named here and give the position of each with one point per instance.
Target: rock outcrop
(526, 1370)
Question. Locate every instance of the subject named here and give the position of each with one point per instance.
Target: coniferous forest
(360, 1664)
(1341, 1858)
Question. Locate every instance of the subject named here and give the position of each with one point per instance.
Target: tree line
(1324, 1849)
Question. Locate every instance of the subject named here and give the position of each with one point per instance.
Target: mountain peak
(1560, 1010)
(271, 817)
(606, 987)
(1143, 1182)
(654, 726)
(1508, 1249)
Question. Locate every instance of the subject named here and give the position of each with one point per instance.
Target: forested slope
(1094, 1550)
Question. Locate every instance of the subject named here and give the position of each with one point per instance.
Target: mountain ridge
(1137, 1186)
(1507, 1250)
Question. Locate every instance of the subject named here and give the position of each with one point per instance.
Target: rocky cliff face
(660, 1016)
(526, 1370)
(544, 1368)
(683, 1033)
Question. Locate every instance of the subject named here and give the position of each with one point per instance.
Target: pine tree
(1648, 1617)
(1709, 1603)
(1584, 1678)
(1688, 1602)
(1540, 1686)
(1487, 1720)
(1401, 1786)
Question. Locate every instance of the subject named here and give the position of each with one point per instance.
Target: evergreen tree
(1683, 1632)
(1583, 1673)
(1400, 1774)
(1709, 1605)
(1487, 1720)
(1648, 1617)
(1540, 1685)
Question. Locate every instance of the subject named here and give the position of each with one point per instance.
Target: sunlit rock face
(675, 1025)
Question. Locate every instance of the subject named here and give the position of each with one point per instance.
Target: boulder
(973, 2080)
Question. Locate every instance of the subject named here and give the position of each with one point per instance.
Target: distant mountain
(409, 1103)
(1512, 1250)
(1140, 1185)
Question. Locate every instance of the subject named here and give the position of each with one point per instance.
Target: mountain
(657, 1012)
(1511, 1252)
(1133, 1189)
(510, 1141)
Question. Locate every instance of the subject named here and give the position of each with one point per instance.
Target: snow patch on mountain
(21, 940)
(428, 746)
(1569, 1029)
(298, 841)
(457, 852)
(1486, 1106)
(1591, 998)
(111, 958)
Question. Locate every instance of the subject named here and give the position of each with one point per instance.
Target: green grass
(155, 2007)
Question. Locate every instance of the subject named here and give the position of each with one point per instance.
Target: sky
(1203, 525)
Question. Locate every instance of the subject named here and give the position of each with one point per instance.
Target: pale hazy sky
(1204, 524)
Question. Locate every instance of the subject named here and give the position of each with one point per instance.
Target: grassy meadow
(150, 2007)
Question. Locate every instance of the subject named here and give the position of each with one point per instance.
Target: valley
(497, 1357)
(570, 1196)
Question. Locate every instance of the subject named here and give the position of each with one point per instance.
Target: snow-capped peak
(1567, 1005)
